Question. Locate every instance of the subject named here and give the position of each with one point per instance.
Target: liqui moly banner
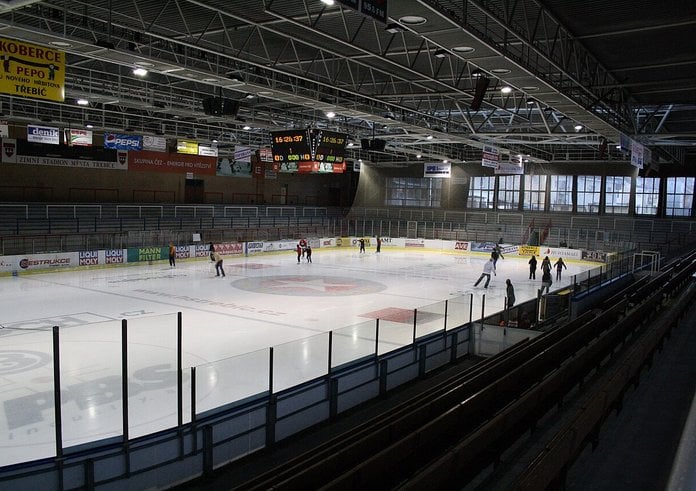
(117, 141)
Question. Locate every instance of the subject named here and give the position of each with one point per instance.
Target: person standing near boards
(510, 292)
(559, 268)
(362, 245)
(211, 249)
(546, 264)
(379, 244)
(308, 250)
(172, 255)
(299, 253)
(532, 267)
(218, 264)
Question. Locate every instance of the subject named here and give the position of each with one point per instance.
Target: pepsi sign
(117, 141)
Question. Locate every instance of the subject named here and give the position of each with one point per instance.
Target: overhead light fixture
(413, 20)
(246, 128)
(89, 126)
(477, 73)
(249, 96)
(530, 102)
(214, 140)
(418, 156)
(394, 28)
(441, 53)
(330, 114)
(506, 89)
(445, 161)
(82, 102)
(350, 144)
(328, 2)
(140, 72)
(578, 127)
(429, 137)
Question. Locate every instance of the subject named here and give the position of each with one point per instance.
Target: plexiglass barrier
(225, 381)
(394, 335)
(459, 311)
(299, 361)
(430, 318)
(353, 342)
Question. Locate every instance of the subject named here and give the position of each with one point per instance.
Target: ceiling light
(60, 44)
(394, 28)
(214, 140)
(500, 71)
(412, 20)
(530, 102)
(578, 127)
(530, 88)
(445, 161)
(328, 2)
(350, 144)
(477, 73)
(82, 102)
(506, 90)
(250, 96)
(246, 128)
(418, 156)
(140, 72)
(89, 126)
(463, 49)
(429, 137)
(360, 160)
(441, 53)
(330, 114)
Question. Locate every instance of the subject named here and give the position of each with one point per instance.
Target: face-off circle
(313, 286)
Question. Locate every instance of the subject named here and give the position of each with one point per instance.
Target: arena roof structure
(546, 81)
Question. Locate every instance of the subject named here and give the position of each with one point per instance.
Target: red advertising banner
(171, 162)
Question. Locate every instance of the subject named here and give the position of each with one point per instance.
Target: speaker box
(364, 143)
(479, 92)
(378, 145)
(217, 106)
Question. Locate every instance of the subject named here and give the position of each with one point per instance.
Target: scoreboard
(309, 150)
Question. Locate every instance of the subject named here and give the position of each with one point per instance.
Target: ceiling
(581, 73)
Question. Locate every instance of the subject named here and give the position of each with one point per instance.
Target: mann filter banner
(33, 71)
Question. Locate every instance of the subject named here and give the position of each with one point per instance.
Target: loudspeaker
(217, 106)
(365, 143)
(480, 92)
(378, 145)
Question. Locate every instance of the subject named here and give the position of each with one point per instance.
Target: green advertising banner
(136, 254)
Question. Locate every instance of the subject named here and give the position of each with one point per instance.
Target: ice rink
(228, 325)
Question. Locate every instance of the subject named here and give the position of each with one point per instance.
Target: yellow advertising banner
(525, 250)
(32, 71)
(186, 146)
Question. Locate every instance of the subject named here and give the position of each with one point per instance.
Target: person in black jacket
(532, 267)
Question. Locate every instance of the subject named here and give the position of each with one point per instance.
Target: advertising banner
(4, 129)
(21, 263)
(117, 141)
(525, 250)
(254, 247)
(43, 134)
(171, 162)
(230, 249)
(461, 246)
(596, 256)
(29, 70)
(636, 154)
(202, 250)
(437, 170)
(10, 156)
(137, 254)
(560, 252)
(509, 168)
(114, 256)
(187, 146)
(208, 150)
(155, 143)
(81, 138)
(490, 156)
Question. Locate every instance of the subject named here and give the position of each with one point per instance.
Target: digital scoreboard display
(308, 150)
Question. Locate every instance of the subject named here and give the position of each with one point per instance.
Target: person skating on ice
(510, 292)
(559, 268)
(308, 251)
(532, 267)
(488, 268)
(218, 264)
(172, 255)
(362, 245)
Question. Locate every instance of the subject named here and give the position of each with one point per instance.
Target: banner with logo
(9, 264)
(10, 155)
(4, 129)
(507, 168)
(43, 134)
(171, 162)
(187, 147)
(239, 165)
(208, 150)
(490, 156)
(155, 143)
(636, 154)
(76, 138)
(437, 170)
(117, 141)
(29, 70)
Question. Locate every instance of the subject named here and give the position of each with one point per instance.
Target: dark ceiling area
(428, 79)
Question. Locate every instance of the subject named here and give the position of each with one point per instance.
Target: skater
(559, 267)
(488, 268)
(546, 264)
(172, 255)
(308, 250)
(218, 264)
(379, 244)
(546, 281)
(303, 246)
(299, 253)
(532, 267)
(211, 249)
(510, 292)
(362, 245)
(496, 253)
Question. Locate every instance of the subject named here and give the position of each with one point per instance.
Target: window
(617, 191)
(481, 192)
(534, 193)
(647, 195)
(589, 191)
(508, 192)
(680, 196)
(561, 195)
(413, 191)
